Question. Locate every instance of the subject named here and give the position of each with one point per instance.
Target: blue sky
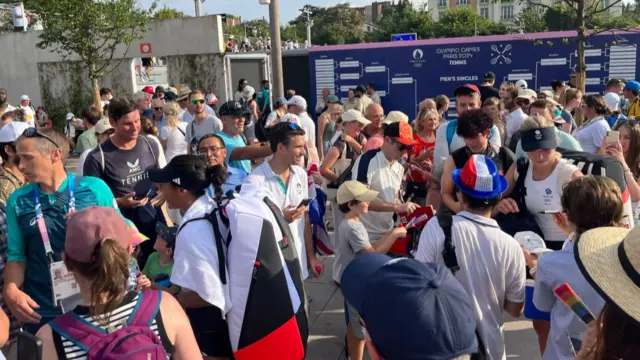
(248, 9)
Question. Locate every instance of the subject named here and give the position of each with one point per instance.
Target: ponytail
(217, 175)
(108, 273)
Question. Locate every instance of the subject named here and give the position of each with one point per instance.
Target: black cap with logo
(489, 75)
(233, 108)
(185, 171)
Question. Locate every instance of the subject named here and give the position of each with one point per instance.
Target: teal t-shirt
(232, 143)
(24, 240)
(263, 98)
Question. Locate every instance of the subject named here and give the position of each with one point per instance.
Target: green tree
(531, 20)
(465, 21)
(167, 13)
(91, 30)
(338, 24)
(405, 18)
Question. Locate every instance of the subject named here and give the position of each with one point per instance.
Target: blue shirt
(159, 124)
(554, 269)
(232, 143)
(25, 243)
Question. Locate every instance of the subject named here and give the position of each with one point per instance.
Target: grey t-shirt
(352, 238)
(210, 125)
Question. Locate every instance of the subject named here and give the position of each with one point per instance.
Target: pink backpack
(135, 341)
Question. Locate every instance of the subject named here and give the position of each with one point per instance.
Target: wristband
(532, 271)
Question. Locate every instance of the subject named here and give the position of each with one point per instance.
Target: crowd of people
(513, 198)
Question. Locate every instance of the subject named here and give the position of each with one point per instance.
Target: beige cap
(547, 93)
(355, 190)
(354, 115)
(184, 92)
(527, 94)
(396, 116)
(102, 126)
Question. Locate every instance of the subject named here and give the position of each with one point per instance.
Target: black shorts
(147, 62)
(211, 331)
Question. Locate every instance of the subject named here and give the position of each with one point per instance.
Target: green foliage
(167, 13)
(404, 18)
(465, 21)
(338, 24)
(531, 20)
(91, 29)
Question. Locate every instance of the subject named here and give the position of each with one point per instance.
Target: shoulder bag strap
(520, 191)
(146, 308)
(183, 133)
(153, 153)
(213, 220)
(363, 166)
(101, 158)
(449, 252)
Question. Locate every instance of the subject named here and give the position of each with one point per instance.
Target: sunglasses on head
(621, 123)
(294, 126)
(33, 133)
(197, 101)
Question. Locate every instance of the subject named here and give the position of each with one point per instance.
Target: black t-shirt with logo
(488, 92)
(124, 171)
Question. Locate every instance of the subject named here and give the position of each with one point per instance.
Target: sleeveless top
(545, 195)
(66, 350)
(327, 136)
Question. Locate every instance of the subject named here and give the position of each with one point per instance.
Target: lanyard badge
(62, 281)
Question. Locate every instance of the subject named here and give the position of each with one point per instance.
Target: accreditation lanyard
(42, 226)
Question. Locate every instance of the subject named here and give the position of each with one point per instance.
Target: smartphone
(144, 195)
(612, 137)
(305, 202)
(550, 212)
(29, 346)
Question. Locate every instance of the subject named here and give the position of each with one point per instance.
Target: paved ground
(326, 319)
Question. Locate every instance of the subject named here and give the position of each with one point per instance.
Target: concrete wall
(20, 59)
(201, 72)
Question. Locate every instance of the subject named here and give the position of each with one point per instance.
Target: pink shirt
(374, 143)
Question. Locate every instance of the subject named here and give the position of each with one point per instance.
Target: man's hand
(399, 232)
(21, 305)
(315, 266)
(158, 200)
(407, 208)
(292, 214)
(128, 201)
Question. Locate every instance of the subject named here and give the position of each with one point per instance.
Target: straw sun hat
(609, 258)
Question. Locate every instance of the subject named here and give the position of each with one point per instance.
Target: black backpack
(261, 130)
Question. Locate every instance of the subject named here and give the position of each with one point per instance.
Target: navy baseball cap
(411, 310)
(280, 101)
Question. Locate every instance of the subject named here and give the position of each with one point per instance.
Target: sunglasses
(523, 101)
(403, 147)
(197, 101)
(624, 122)
(33, 133)
(206, 150)
(157, 108)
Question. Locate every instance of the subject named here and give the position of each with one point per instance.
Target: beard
(3, 101)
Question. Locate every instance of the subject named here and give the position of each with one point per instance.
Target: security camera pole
(276, 50)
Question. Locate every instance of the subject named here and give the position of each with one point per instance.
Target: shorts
(211, 331)
(530, 310)
(352, 317)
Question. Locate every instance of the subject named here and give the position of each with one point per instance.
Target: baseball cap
(522, 84)
(180, 171)
(354, 115)
(292, 118)
(173, 90)
(248, 92)
(281, 101)
(170, 96)
(355, 190)
(489, 75)
(102, 126)
(632, 85)
(548, 94)
(211, 99)
(88, 227)
(401, 300)
(12, 131)
(70, 116)
(148, 89)
(332, 99)
(184, 93)
(361, 88)
(527, 94)
(24, 97)
(298, 101)
(232, 108)
(401, 132)
(534, 139)
(167, 233)
(466, 89)
(612, 100)
(396, 116)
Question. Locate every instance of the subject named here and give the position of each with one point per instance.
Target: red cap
(401, 132)
(466, 89)
(149, 90)
(88, 227)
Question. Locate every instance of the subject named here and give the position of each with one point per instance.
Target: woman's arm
(179, 329)
(326, 168)
(322, 122)
(355, 145)
(48, 347)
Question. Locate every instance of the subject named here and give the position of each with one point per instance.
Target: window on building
(484, 1)
(442, 3)
(484, 12)
(506, 13)
(463, 2)
(606, 3)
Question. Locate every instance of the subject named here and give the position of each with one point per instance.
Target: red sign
(145, 48)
